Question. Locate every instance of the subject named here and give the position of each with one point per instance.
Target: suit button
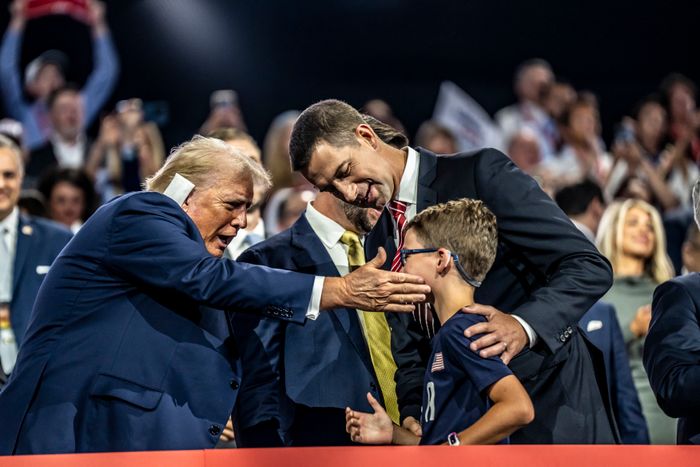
(214, 430)
(562, 338)
(234, 384)
(373, 387)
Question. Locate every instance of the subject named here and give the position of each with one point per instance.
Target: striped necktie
(377, 334)
(423, 313)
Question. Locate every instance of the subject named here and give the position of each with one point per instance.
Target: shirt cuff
(314, 308)
(531, 334)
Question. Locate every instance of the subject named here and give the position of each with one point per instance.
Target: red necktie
(423, 313)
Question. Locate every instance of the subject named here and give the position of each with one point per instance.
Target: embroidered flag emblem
(438, 363)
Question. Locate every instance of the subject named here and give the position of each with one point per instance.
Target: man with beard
(346, 351)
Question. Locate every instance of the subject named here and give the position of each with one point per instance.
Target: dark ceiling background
(282, 55)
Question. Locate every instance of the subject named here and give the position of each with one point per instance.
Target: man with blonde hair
(121, 355)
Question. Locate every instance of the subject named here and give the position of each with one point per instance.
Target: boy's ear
(444, 261)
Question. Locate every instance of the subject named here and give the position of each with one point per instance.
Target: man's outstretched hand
(370, 288)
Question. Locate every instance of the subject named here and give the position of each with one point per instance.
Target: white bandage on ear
(179, 189)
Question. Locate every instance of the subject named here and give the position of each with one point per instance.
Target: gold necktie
(377, 334)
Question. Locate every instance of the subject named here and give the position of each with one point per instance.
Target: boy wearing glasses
(467, 399)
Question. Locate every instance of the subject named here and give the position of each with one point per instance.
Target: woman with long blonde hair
(632, 237)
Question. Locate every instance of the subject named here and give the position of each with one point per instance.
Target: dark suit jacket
(545, 272)
(672, 353)
(323, 364)
(41, 161)
(118, 355)
(38, 244)
(602, 328)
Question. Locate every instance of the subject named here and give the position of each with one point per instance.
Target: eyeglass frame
(404, 253)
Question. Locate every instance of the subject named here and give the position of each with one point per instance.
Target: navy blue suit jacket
(38, 244)
(324, 363)
(603, 330)
(118, 355)
(672, 353)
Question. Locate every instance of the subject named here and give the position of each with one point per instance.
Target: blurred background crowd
(624, 179)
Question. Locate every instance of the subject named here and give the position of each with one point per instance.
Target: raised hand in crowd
(640, 324)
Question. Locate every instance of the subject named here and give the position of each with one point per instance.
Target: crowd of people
(566, 220)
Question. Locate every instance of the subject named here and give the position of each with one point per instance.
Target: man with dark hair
(545, 277)
(583, 202)
(68, 144)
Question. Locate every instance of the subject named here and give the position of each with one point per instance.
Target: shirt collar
(328, 230)
(408, 188)
(11, 221)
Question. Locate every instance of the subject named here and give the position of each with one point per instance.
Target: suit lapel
(310, 256)
(427, 171)
(25, 237)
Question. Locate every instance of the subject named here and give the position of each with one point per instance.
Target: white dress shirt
(8, 235)
(329, 232)
(408, 193)
(69, 156)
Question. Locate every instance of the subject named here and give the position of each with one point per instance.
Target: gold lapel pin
(27, 230)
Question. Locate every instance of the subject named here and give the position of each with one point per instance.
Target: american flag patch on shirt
(438, 363)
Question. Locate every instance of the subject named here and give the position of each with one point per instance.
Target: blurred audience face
(651, 121)
(66, 115)
(66, 203)
(48, 79)
(638, 237)
(531, 81)
(524, 151)
(583, 123)
(246, 147)
(10, 181)
(557, 99)
(436, 138)
(130, 113)
(291, 209)
(681, 102)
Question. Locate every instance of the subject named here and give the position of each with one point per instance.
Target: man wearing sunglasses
(546, 274)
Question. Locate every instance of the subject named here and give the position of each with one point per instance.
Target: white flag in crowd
(469, 122)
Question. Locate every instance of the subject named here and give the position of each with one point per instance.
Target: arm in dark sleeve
(411, 350)
(631, 422)
(672, 350)
(149, 245)
(530, 222)
(260, 342)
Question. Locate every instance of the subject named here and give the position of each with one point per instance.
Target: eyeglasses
(467, 278)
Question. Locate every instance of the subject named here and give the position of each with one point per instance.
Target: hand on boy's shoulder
(500, 335)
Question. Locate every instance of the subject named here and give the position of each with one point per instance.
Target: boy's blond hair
(465, 227)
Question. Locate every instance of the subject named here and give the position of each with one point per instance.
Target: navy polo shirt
(456, 379)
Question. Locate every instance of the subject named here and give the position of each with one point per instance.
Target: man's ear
(367, 134)
(444, 261)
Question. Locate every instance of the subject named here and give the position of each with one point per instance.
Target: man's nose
(240, 221)
(348, 191)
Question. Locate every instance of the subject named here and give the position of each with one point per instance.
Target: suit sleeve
(529, 222)
(260, 342)
(150, 245)
(672, 350)
(631, 422)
